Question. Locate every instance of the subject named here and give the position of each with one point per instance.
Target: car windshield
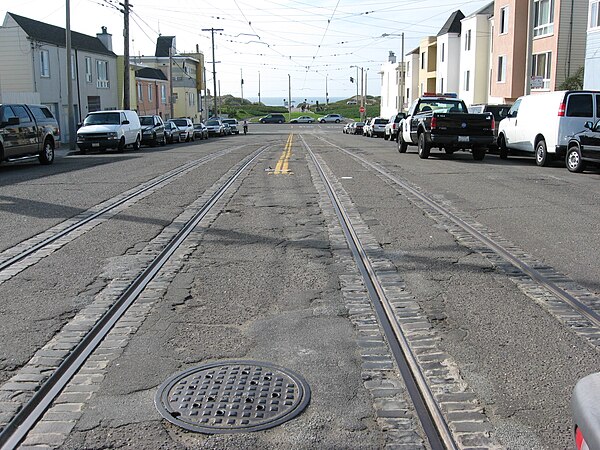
(212, 123)
(198, 126)
(380, 121)
(232, 121)
(111, 118)
(147, 120)
(180, 122)
(499, 112)
(442, 106)
(360, 124)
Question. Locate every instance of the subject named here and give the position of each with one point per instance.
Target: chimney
(105, 38)
(197, 48)
(392, 57)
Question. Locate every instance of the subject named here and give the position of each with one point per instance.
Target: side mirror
(13, 121)
(80, 124)
(125, 122)
(589, 125)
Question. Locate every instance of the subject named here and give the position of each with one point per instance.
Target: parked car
(200, 131)
(331, 118)
(172, 133)
(444, 122)
(348, 127)
(541, 124)
(186, 127)
(227, 129)
(585, 408)
(583, 148)
(110, 129)
(215, 127)
(376, 127)
(28, 131)
(233, 125)
(303, 119)
(498, 111)
(391, 128)
(358, 127)
(272, 118)
(153, 130)
(351, 102)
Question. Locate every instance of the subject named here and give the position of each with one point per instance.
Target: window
(41, 113)
(73, 65)
(501, 69)
(140, 92)
(594, 15)
(149, 92)
(468, 40)
(543, 17)
(102, 69)
(597, 105)
(467, 80)
(423, 60)
(44, 64)
(441, 85)
(504, 20)
(88, 69)
(443, 51)
(580, 105)
(163, 93)
(408, 67)
(21, 113)
(514, 109)
(541, 67)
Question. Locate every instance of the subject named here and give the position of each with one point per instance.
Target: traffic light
(351, 79)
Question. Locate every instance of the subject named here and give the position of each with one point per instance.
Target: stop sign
(362, 109)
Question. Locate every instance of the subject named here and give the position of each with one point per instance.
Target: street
(266, 277)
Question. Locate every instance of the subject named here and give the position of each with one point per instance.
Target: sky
(307, 44)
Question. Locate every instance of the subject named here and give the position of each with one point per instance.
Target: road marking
(282, 167)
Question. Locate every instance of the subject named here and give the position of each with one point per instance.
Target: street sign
(361, 109)
(537, 82)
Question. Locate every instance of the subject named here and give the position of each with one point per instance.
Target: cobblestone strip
(462, 410)
(59, 420)
(561, 310)
(34, 258)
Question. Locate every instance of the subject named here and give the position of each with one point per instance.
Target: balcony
(102, 84)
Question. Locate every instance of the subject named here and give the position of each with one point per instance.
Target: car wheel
(47, 154)
(193, 138)
(478, 153)
(337, 121)
(154, 141)
(573, 160)
(502, 148)
(386, 137)
(121, 146)
(163, 141)
(424, 147)
(136, 144)
(280, 121)
(541, 154)
(402, 146)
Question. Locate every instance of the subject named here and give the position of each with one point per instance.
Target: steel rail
(500, 250)
(157, 181)
(434, 424)
(16, 430)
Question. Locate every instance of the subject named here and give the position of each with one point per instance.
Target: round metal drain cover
(232, 397)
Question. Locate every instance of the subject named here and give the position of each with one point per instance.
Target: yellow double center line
(282, 167)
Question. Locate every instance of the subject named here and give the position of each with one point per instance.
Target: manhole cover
(232, 396)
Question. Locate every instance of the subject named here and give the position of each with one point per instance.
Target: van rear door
(579, 109)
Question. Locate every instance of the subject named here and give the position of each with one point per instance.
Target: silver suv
(185, 126)
(331, 118)
(377, 127)
(233, 125)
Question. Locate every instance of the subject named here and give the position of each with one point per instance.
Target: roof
(150, 73)
(487, 9)
(51, 34)
(163, 44)
(452, 25)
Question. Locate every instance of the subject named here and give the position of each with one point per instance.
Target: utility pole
(259, 86)
(362, 93)
(171, 94)
(402, 78)
(242, 84)
(217, 113)
(126, 95)
(289, 97)
(528, 55)
(70, 115)
(212, 31)
(326, 90)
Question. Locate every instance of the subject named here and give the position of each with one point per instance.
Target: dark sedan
(358, 128)
(200, 131)
(584, 147)
(153, 130)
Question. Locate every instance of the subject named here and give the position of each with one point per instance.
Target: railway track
(31, 411)
(580, 300)
(17, 258)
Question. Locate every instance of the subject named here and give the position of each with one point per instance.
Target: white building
(390, 84)
(448, 54)
(591, 77)
(475, 56)
(411, 82)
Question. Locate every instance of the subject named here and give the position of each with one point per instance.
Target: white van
(541, 124)
(110, 129)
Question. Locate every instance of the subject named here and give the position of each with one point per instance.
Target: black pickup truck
(28, 131)
(444, 122)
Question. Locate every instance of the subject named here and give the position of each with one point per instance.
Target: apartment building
(475, 56)
(390, 83)
(411, 82)
(427, 65)
(557, 45)
(152, 87)
(37, 69)
(591, 77)
(449, 52)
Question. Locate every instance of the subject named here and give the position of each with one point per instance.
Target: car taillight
(493, 123)
(579, 440)
(433, 122)
(561, 109)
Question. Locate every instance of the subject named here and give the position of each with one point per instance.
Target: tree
(574, 82)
